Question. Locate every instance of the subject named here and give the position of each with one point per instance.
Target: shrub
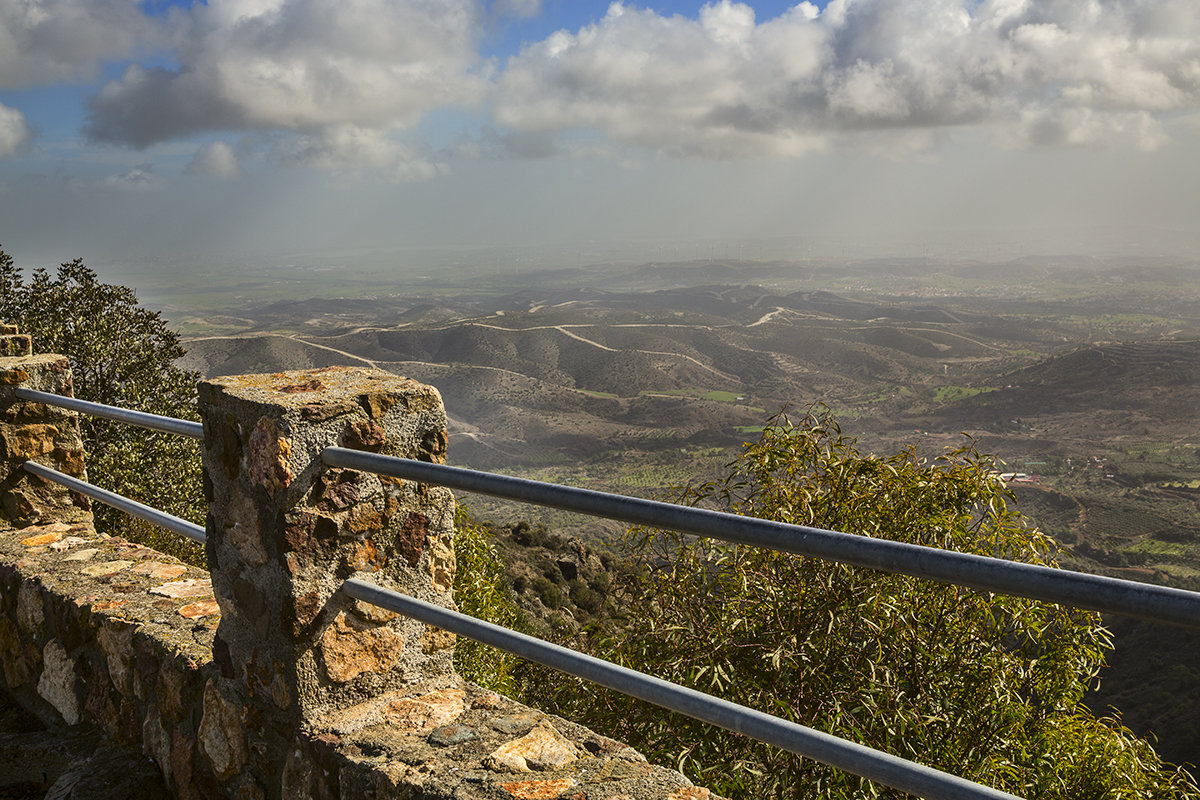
(984, 686)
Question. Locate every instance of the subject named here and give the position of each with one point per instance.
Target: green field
(952, 394)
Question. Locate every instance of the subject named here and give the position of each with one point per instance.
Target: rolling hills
(1082, 375)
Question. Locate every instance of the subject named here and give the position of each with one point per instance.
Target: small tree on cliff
(121, 354)
(984, 686)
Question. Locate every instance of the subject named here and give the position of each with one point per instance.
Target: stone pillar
(284, 531)
(12, 343)
(36, 432)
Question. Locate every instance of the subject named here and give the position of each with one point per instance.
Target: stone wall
(261, 680)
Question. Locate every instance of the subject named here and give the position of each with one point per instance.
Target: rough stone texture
(387, 750)
(285, 531)
(57, 683)
(101, 650)
(300, 692)
(45, 434)
(221, 737)
(14, 345)
(541, 749)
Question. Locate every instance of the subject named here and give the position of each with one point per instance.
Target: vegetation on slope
(989, 687)
(985, 686)
(481, 590)
(121, 354)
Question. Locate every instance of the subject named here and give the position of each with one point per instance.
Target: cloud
(1053, 72)
(1083, 127)
(215, 158)
(15, 133)
(136, 179)
(521, 9)
(350, 148)
(45, 41)
(298, 65)
(341, 84)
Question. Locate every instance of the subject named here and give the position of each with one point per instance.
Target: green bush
(548, 592)
(984, 686)
(587, 598)
(121, 354)
(480, 591)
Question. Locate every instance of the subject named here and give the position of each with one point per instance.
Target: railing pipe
(131, 507)
(875, 765)
(193, 430)
(984, 573)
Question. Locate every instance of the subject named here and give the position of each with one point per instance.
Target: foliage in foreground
(984, 686)
(121, 354)
(480, 590)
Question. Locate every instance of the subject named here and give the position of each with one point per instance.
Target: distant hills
(1081, 374)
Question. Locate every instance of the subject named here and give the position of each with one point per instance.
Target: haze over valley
(1081, 374)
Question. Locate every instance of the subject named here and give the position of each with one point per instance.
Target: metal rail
(193, 430)
(1094, 592)
(131, 507)
(875, 765)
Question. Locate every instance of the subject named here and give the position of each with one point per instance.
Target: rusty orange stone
(13, 376)
(269, 456)
(108, 605)
(313, 385)
(41, 539)
(538, 790)
(350, 648)
(692, 793)
(201, 608)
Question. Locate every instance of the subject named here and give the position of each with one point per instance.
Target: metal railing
(1159, 603)
(1094, 592)
(132, 507)
(1163, 604)
(875, 765)
(182, 427)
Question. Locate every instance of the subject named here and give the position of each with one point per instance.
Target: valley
(1081, 375)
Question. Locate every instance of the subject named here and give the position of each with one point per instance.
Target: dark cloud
(299, 66)
(45, 41)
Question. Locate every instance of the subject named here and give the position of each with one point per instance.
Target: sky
(171, 133)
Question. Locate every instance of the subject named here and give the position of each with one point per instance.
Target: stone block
(15, 345)
(42, 433)
(284, 532)
(57, 682)
(220, 737)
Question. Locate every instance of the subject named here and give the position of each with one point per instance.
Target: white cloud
(215, 158)
(1082, 127)
(337, 84)
(15, 134)
(1097, 73)
(298, 65)
(141, 178)
(353, 148)
(44, 41)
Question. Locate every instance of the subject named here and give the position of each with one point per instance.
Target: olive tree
(121, 354)
(985, 686)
